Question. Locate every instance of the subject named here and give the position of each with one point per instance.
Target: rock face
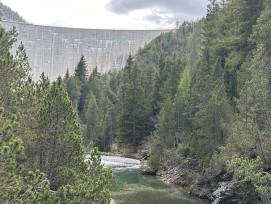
(147, 170)
(54, 49)
(176, 176)
(218, 189)
(234, 193)
(180, 175)
(201, 189)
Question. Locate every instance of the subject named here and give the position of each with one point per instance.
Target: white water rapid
(119, 162)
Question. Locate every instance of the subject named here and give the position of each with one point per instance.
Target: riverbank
(216, 189)
(216, 186)
(131, 187)
(169, 174)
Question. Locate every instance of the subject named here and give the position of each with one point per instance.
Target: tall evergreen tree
(61, 154)
(60, 138)
(81, 69)
(131, 120)
(80, 73)
(9, 71)
(18, 184)
(249, 133)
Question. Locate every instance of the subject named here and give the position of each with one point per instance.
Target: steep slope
(202, 93)
(9, 14)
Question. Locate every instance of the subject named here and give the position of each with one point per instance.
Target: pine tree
(22, 63)
(61, 153)
(81, 69)
(17, 184)
(60, 136)
(9, 72)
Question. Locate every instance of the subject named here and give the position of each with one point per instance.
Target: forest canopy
(200, 93)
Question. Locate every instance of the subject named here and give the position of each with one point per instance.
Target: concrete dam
(53, 50)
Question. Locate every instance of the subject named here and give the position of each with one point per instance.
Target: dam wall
(53, 50)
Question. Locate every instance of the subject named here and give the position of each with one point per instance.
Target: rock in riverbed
(147, 170)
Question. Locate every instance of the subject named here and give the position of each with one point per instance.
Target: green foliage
(60, 152)
(131, 94)
(210, 123)
(22, 63)
(73, 86)
(9, 72)
(202, 91)
(81, 69)
(17, 184)
(89, 185)
(60, 137)
(185, 84)
(249, 132)
(41, 152)
(94, 120)
(155, 157)
(250, 170)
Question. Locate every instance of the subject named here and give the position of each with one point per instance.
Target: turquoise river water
(134, 188)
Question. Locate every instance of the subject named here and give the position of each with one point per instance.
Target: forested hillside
(198, 96)
(42, 159)
(9, 14)
(200, 93)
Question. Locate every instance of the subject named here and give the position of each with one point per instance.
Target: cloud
(154, 18)
(177, 9)
(158, 17)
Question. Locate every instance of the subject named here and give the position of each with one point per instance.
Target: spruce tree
(81, 69)
(131, 120)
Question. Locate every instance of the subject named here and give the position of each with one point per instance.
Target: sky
(109, 14)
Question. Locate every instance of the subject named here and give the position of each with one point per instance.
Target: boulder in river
(147, 170)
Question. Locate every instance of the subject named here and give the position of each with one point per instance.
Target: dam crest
(53, 50)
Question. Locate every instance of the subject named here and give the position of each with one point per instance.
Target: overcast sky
(109, 14)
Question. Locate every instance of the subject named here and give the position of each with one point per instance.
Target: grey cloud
(195, 8)
(154, 18)
(158, 17)
(161, 17)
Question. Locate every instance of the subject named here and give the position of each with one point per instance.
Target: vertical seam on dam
(53, 50)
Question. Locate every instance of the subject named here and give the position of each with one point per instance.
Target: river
(134, 188)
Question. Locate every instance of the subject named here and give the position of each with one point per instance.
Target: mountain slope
(9, 14)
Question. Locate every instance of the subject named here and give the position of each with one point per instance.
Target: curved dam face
(53, 50)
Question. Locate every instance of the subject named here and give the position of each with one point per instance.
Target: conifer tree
(17, 184)
(131, 119)
(81, 69)
(60, 136)
(9, 72)
(93, 120)
(250, 131)
(61, 154)
(22, 63)
(73, 86)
